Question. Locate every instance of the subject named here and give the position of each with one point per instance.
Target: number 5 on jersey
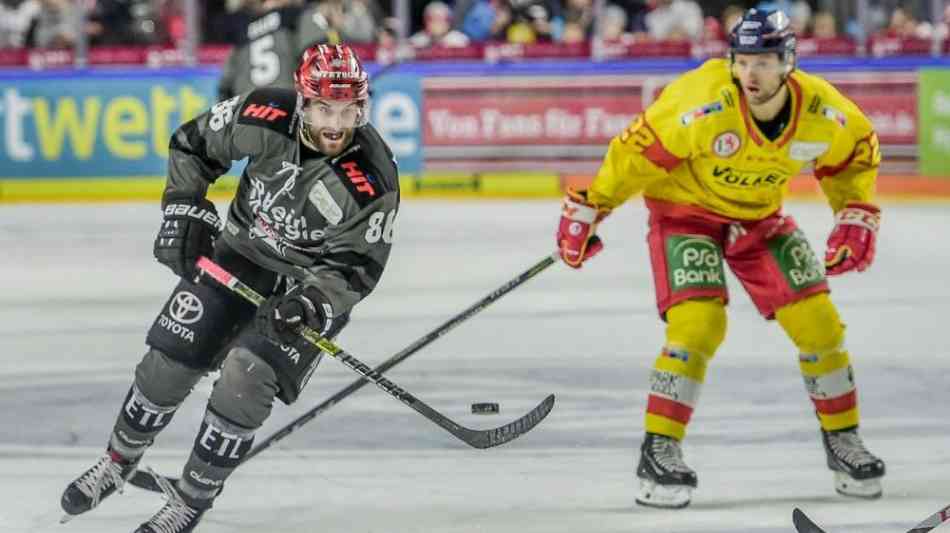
(381, 227)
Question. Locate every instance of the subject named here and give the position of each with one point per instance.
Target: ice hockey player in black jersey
(266, 53)
(310, 226)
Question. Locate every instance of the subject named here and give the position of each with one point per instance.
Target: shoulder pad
(366, 170)
(271, 108)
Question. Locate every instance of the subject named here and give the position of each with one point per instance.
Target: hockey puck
(485, 408)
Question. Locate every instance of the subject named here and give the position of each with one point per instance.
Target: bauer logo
(694, 261)
(797, 260)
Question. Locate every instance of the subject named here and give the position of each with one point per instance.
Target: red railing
(153, 56)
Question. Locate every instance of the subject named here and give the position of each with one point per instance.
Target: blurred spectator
(15, 19)
(109, 22)
(437, 28)
(476, 22)
(824, 26)
(573, 33)
(146, 26)
(675, 20)
(712, 30)
(224, 21)
(504, 17)
(532, 22)
(579, 16)
(387, 36)
(943, 27)
(172, 15)
(800, 17)
(731, 16)
(52, 26)
(613, 25)
(336, 21)
(902, 24)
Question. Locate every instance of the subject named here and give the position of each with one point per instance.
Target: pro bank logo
(797, 260)
(694, 261)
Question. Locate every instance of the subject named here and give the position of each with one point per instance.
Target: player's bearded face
(760, 76)
(331, 123)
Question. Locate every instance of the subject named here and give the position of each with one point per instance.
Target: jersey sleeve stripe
(830, 171)
(657, 154)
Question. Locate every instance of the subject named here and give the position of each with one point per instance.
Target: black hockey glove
(280, 316)
(187, 233)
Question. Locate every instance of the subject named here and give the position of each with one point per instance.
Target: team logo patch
(726, 144)
(186, 308)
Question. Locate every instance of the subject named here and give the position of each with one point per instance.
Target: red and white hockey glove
(576, 240)
(852, 241)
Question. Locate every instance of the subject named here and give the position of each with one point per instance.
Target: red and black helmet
(331, 72)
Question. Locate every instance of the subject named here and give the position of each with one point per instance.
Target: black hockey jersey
(266, 55)
(324, 221)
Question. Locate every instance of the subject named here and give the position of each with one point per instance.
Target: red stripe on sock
(671, 409)
(837, 405)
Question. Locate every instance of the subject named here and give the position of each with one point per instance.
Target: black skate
(175, 516)
(858, 472)
(96, 484)
(665, 480)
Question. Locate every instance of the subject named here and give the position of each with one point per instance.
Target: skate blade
(663, 496)
(67, 517)
(868, 489)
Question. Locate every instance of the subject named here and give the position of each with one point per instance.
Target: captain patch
(321, 198)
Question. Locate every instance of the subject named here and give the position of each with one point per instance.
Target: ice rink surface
(80, 288)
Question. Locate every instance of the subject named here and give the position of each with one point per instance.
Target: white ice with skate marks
(79, 289)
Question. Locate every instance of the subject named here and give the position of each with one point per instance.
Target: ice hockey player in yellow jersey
(713, 156)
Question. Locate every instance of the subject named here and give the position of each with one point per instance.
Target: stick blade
(489, 438)
(803, 524)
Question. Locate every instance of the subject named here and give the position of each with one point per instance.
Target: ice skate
(176, 516)
(665, 480)
(96, 484)
(858, 472)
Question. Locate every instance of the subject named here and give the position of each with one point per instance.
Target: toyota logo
(186, 308)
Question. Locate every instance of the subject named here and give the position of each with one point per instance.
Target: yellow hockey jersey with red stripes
(698, 144)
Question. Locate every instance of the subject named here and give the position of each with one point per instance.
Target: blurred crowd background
(53, 24)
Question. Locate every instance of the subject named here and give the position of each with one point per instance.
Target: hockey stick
(804, 524)
(481, 439)
(146, 481)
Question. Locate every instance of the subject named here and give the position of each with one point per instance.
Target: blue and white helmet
(764, 32)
